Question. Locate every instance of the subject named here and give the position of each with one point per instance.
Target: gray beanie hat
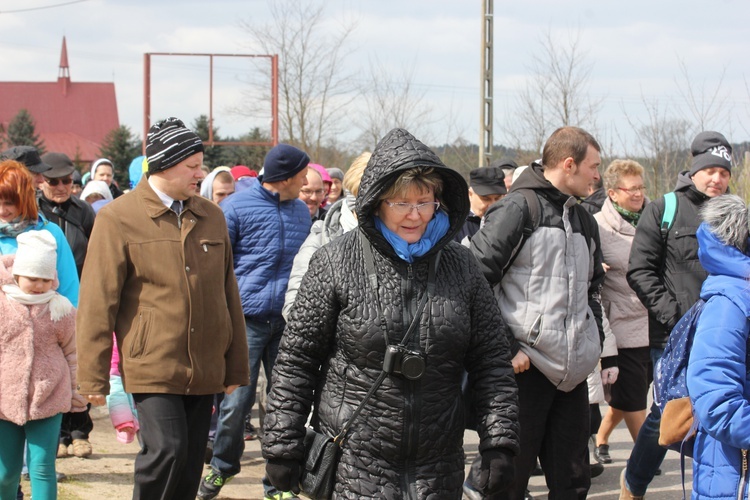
(336, 173)
(710, 149)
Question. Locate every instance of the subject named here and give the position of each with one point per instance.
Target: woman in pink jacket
(37, 364)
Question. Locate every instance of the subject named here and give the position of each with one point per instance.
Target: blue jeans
(263, 338)
(647, 454)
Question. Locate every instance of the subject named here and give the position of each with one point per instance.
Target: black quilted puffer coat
(407, 442)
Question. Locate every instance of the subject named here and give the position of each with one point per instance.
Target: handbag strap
(373, 278)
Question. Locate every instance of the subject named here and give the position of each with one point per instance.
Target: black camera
(401, 361)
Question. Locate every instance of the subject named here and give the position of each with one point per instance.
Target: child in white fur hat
(37, 364)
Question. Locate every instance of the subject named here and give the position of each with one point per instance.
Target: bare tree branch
(556, 94)
(392, 103)
(663, 141)
(708, 107)
(314, 86)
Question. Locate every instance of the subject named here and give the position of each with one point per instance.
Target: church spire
(63, 75)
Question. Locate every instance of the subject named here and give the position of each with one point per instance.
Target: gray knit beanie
(710, 149)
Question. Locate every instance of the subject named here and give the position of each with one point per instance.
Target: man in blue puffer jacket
(267, 225)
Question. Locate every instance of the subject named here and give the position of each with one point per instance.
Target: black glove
(497, 472)
(283, 474)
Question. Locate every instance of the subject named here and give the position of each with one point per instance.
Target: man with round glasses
(313, 194)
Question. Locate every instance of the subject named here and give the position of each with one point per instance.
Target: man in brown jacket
(160, 274)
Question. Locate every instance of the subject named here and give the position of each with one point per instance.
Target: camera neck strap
(373, 279)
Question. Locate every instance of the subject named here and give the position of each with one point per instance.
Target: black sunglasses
(55, 182)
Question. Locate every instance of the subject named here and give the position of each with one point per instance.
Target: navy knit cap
(282, 162)
(710, 149)
(168, 143)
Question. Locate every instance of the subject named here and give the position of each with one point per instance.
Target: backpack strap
(532, 221)
(532, 214)
(670, 209)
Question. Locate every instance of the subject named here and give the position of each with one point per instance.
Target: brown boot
(81, 448)
(625, 492)
(62, 450)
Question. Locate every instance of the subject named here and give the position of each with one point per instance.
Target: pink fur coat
(37, 358)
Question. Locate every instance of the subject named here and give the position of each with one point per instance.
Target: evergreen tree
(251, 156)
(120, 147)
(21, 132)
(213, 156)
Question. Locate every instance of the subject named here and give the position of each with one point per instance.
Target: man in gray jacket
(540, 250)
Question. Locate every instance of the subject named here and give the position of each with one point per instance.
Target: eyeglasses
(428, 208)
(633, 190)
(55, 182)
(312, 192)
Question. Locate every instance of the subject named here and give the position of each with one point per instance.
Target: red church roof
(70, 117)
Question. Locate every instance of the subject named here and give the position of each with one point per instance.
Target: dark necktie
(176, 206)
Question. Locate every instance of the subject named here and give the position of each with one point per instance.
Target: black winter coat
(667, 275)
(408, 440)
(76, 218)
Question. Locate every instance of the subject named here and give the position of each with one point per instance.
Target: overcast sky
(634, 49)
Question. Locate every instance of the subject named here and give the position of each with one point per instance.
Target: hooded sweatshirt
(550, 294)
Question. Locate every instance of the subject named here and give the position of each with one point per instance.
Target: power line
(41, 8)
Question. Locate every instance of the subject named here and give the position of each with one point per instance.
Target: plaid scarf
(15, 227)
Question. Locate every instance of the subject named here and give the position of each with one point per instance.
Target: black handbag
(319, 471)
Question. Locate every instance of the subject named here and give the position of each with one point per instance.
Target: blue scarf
(436, 229)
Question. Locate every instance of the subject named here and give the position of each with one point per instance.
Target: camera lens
(412, 367)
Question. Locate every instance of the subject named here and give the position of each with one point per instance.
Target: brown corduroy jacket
(169, 293)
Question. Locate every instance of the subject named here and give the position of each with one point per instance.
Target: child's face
(33, 285)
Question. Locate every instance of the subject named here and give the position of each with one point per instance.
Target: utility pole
(485, 136)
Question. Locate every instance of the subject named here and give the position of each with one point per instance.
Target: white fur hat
(36, 256)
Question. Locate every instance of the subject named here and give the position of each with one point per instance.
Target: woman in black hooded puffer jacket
(408, 440)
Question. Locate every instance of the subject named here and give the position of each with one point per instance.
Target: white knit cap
(36, 256)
